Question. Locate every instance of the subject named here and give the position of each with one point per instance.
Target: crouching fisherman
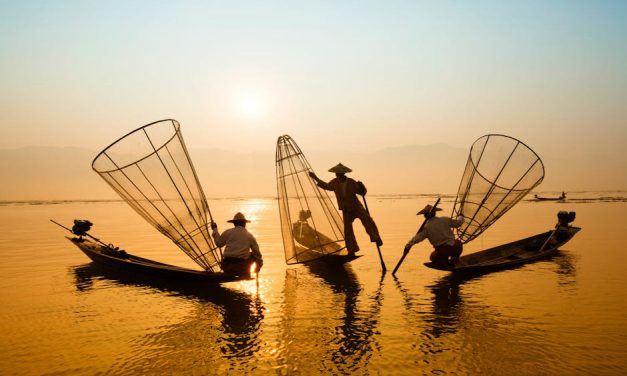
(241, 249)
(438, 231)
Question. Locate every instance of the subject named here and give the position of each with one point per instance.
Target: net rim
(177, 128)
(474, 165)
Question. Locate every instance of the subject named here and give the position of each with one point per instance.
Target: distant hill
(65, 173)
(34, 173)
(49, 173)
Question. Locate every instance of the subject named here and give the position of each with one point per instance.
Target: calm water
(61, 314)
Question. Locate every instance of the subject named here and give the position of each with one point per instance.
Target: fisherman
(346, 191)
(311, 238)
(241, 249)
(438, 231)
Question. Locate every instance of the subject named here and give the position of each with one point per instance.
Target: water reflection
(448, 312)
(329, 308)
(358, 327)
(236, 338)
(566, 271)
(445, 308)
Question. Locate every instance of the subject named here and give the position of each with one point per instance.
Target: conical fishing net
(499, 172)
(151, 170)
(310, 224)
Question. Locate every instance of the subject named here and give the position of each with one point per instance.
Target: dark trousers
(237, 266)
(447, 254)
(349, 235)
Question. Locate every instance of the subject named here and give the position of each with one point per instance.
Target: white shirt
(438, 231)
(239, 243)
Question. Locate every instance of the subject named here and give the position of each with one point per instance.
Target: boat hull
(334, 259)
(512, 254)
(122, 261)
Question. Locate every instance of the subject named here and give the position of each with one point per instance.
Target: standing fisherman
(438, 231)
(241, 249)
(346, 191)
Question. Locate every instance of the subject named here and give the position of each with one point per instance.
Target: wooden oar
(405, 252)
(383, 268)
(549, 238)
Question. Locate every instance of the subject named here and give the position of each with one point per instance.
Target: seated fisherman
(241, 249)
(438, 231)
(308, 237)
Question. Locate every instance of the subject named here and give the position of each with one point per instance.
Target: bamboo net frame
(150, 168)
(499, 172)
(311, 226)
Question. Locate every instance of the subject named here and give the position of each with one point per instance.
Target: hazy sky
(357, 74)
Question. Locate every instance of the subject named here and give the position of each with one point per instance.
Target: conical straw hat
(340, 169)
(427, 209)
(238, 217)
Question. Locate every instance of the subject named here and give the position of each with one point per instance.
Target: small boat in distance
(560, 198)
(516, 253)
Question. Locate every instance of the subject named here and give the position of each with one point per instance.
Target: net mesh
(151, 170)
(499, 172)
(311, 226)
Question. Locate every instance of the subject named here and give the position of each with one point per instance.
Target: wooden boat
(333, 259)
(122, 261)
(158, 180)
(540, 198)
(512, 254)
(310, 256)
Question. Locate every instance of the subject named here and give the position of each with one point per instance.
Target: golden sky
(359, 76)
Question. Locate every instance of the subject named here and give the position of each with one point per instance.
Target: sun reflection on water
(254, 209)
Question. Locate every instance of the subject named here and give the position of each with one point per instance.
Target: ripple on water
(60, 314)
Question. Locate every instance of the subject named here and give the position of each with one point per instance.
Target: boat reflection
(449, 312)
(566, 271)
(236, 337)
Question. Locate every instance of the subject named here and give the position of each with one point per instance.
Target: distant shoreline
(573, 197)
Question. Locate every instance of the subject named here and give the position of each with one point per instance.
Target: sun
(251, 106)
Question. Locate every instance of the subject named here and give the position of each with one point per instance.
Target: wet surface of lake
(61, 314)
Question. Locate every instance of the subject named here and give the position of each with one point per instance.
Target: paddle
(383, 268)
(405, 252)
(549, 238)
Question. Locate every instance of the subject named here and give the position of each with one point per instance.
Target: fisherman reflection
(359, 327)
(346, 191)
(447, 306)
(309, 237)
(241, 322)
(446, 312)
(222, 323)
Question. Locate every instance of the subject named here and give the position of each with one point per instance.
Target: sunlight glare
(251, 106)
